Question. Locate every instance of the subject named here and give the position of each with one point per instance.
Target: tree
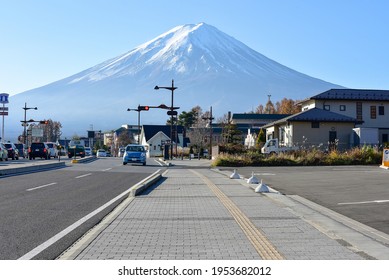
(287, 106)
(269, 108)
(124, 138)
(51, 131)
(260, 139)
(187, 119)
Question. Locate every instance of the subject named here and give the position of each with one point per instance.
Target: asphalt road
(358, 192)
(35, 207)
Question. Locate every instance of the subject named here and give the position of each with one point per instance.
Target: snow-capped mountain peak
(209, 67)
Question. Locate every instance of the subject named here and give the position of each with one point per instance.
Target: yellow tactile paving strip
(261, 244)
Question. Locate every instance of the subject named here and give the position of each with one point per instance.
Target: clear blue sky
(344, 42)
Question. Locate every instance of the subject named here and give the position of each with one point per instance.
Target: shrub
(365, 155)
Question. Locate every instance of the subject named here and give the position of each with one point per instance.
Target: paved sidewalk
(202, 214)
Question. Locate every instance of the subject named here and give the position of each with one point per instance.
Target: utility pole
(210, 118)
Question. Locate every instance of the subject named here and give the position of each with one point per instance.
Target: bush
(357, 156)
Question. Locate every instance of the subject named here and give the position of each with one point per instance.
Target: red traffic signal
(143, 108)
(43, 122)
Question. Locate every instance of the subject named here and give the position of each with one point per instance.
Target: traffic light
(143, 108)
(43, 122)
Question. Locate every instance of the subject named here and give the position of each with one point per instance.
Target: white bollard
(234, 175)
(262, 188)
(252, 179)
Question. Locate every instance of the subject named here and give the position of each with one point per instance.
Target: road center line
(43, 186)
(81, 176)
(107, 169)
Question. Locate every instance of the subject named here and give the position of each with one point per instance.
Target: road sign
(4, 98)
(37, 132)
(3, 108)
(3, 113)
(170, 113)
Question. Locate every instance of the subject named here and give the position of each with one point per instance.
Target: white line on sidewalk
(81, 176)
(363, 202)
(43, 186)
(70, 228)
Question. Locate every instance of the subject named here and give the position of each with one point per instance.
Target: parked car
(38, 149)
(13, 152)
(76, 150)
(53, 152)
(22, 150)
(3, 152)
(88, 151)
(134, 154)
(101, 153)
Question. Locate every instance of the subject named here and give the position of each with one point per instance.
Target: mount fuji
(209, 68)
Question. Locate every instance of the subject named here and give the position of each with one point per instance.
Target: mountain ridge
(209, 67)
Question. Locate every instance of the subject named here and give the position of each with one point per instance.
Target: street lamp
(172, 88)
(25, 108)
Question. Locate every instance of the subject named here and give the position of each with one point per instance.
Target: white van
(53, 152)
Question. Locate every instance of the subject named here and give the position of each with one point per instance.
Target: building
(155, 137)
(250, 125)
(338, 117)
(313, 128)
(251, 120)
(369, 107)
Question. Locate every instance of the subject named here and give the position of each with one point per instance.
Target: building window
(315, 125)
(381, 110)
(359, 111)
(373, 112)
(342, 107)
(385, 138)
(327, 107)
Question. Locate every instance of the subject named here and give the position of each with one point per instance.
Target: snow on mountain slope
(209, 67)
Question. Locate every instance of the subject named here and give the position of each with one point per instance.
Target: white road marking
(363, 202)
(265, 174)
(43, 186)
(106, 169)
(82, 176)
(157, 161)
(58, 236)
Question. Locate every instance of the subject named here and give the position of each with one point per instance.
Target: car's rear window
(37, 145)
(50, 145)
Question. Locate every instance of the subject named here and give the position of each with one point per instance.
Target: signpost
(3, 111)
(385, 159)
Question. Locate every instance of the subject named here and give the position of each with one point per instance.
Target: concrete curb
(31, 168)
(83, 160)
(143, 185)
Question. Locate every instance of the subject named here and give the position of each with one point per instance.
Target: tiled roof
(320, 115)
(151, 130)
(354, 94)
